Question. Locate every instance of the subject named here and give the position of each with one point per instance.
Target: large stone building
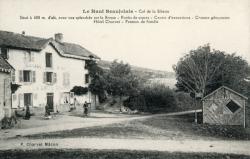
(5, 88)
(46, 69)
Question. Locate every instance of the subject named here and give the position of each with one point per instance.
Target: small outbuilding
(224, 106)
(5, 88)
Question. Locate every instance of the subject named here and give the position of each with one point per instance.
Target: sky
(157, 46)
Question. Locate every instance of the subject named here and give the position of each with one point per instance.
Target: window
(232, 106)
(49, 77)
(86, 78)
(48, 59)
(13, 76)
(4, 52)
(29, 56)
(66, 79)
(26, 76)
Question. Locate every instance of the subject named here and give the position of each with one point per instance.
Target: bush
(184, 101)
(154, 98)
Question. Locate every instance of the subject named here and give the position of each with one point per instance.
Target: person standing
(85, 108)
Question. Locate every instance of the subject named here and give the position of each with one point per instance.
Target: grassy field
(174, 127)
(104, 154)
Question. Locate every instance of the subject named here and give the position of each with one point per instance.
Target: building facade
(46, 69)
(224, 106)
(5, 88)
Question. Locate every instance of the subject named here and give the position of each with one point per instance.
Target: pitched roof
(5, 66)
(74, 49)
(20, 41)
(10, 39)
(227, 89)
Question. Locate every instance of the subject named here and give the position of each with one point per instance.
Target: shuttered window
(66, 79)
(26, 76)
(50, 77)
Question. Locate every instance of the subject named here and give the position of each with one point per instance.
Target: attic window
(232, 106)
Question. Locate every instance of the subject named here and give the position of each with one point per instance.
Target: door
(27, 99)
(50, 101)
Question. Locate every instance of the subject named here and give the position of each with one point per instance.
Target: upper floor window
(66, 79)
(27, 76)
(48, 59)
(4, 52)
(29, 56)
(50, 77)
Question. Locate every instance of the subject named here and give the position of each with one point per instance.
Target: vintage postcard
(139, 79)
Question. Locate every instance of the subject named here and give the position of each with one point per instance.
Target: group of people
(86, 107)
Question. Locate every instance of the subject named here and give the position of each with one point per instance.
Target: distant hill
(141, 71)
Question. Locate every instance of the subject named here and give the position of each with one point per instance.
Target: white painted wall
(39, 89)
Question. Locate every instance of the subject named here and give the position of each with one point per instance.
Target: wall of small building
(39, 88)
(216, 112)
(5, 95)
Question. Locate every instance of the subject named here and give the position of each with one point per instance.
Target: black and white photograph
(124, 79)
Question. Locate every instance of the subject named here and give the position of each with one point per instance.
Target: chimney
(59, 37)
(23, 32)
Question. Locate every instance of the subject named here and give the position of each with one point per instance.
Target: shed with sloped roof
(224, 106)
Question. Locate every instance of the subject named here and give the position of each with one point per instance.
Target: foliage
(8, 122)
(153, 98)
(79, 90)
(14, 87)
(98, 81)
(184, 101)
(204, 70)
(121, 81)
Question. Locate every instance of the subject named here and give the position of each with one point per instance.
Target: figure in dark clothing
(47, 112)
(85, 108)
(27, 115)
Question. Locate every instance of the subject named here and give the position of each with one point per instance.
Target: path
(65, 122)
(225, 147)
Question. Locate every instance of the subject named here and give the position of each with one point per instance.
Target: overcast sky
(156, 46)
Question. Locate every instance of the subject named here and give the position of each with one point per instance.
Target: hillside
(145, 72)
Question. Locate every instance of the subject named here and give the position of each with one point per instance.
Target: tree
(121, 80)
(204, 70)
(79, 90)
(98, 82)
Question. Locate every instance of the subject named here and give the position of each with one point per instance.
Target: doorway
(27, 99)
(50, 101)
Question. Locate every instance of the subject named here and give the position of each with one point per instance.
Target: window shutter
(25, 56)
(64, 78)
(54, 78)
(13, 76)
(32, 56)
(21, 100)
(68, 79)
(44, 77)
(20, 75)
(33, 76)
